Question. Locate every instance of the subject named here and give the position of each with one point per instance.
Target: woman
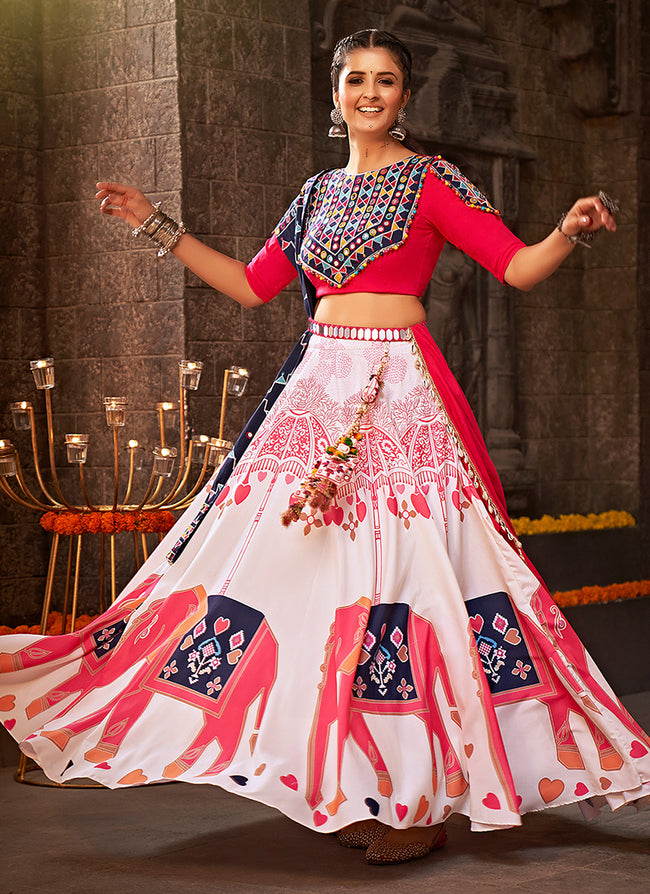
(387, 657)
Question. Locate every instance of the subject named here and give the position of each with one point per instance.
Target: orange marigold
(588, 595)
(147, 521)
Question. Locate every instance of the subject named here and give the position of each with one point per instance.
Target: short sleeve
(273, 267)
(466, 219)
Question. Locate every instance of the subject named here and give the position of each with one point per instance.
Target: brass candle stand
(151, 513)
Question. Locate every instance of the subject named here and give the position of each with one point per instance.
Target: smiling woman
(388, 655)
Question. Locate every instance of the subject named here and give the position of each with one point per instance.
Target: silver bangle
(162, 229)
(587, 239)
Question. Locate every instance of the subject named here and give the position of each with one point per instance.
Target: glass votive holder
(237, 380)
(199, 446)
(21, 415)
(166, 406)
(115, 408)
(163, 461)
(7, 459)
(190, 373)
(43, 372)
(218, 450)
(77, 448)
(136, 453)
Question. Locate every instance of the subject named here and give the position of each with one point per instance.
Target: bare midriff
(375, 309)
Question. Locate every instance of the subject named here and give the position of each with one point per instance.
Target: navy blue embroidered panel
(500, 643)
(384, 669)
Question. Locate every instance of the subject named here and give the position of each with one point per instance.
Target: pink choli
(383, 231)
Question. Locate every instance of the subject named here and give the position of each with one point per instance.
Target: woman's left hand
(587, 215)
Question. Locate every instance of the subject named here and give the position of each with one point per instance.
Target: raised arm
(534, 263)
(223, 273)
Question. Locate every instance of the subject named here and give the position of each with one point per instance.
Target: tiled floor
(175, 839)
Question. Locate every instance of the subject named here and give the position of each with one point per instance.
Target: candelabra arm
(116, 467)
(224, 397)
(82, 478)
(6, 488)
(37, 465)
(129, 486)
(35, 502)
(148, 492)
(179, 485)
(187, 499)
(50, 443)
(181, 474)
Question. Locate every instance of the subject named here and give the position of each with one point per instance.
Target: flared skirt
(394, 657)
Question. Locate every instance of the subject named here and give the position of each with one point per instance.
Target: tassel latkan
(336, 464)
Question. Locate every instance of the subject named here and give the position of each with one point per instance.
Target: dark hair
(371, 38)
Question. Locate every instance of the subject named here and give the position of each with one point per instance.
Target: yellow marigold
(549, 524)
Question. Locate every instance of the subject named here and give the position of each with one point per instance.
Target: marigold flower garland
(147, 521)
(548, 524)
(633, 589)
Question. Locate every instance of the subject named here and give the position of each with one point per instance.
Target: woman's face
(370, 91)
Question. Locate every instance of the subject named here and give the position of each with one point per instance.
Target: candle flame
(164, 451)
(167, 406)
(133, 443)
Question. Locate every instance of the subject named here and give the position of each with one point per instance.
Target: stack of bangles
(161, 229)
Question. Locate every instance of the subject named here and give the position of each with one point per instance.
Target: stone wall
(103, 74)
(575, 333)
(643, 283)
(244, 90)
(22, 331)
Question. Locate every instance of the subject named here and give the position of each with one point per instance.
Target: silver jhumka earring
(397, 131)
(337, 131)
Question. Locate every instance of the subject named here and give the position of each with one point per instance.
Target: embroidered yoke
(383, 231)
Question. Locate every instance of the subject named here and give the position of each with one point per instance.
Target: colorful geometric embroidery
(353, 220)
(500, 644)
(384, 668)
(452, 177)
(356, 219)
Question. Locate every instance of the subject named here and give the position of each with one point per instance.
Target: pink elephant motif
(219, 657)
(388, 661)
(97, 642)
(520, 664)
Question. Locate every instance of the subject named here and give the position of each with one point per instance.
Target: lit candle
(115, 408)
(77, 448)
(7, 458)
(237, 380)
(43, 372)
(21, 415)
(200, 443)
(190, 374)
(137, 454)
(218, 450)
(163, 461)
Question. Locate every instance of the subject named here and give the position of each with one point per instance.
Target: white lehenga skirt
(393, 658)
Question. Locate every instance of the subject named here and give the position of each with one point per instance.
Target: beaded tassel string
(336, 464)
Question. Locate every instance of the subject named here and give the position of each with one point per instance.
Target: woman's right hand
(123, 201)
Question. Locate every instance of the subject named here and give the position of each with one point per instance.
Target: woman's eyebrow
(371, 72)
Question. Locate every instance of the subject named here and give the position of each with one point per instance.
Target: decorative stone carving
(593, 38)
(454, 304)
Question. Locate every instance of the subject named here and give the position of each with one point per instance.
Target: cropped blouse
(382, 231)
